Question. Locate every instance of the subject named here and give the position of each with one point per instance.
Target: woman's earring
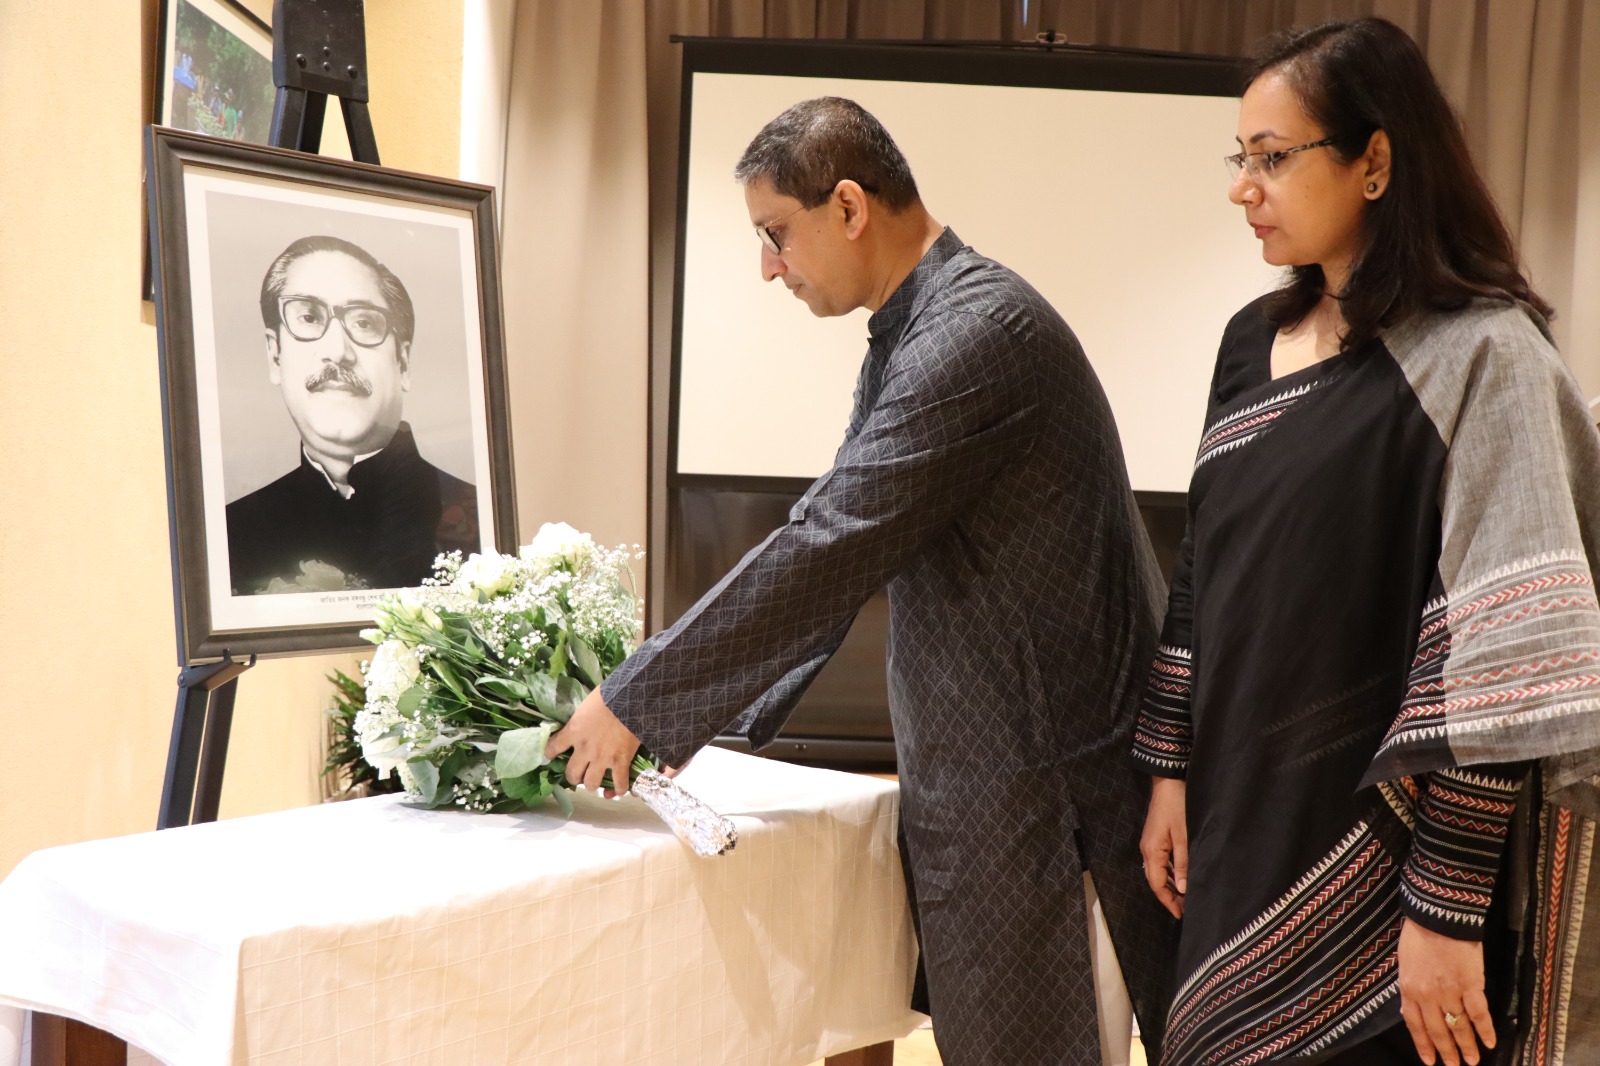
(1372, 187)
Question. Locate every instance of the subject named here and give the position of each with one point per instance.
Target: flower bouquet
(477, 668)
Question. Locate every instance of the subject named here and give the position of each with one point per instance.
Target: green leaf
(411, 699)
(453, 764)
(564, 801)
(587, 660)
(521, 750)
(542, 691)
(427, 776)
(353, 688)
(443, 672)
(524, 788)
(504, 687)
(436, 744)
(558, 658)
(569, 693)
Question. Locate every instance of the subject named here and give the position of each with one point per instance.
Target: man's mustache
(334, 373)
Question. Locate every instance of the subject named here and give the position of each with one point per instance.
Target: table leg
(61, 1041)
(876, 1055)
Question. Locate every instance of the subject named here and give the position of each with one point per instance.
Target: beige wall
(87, 663)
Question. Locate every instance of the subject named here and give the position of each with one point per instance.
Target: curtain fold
(592, 158)
(575, 256)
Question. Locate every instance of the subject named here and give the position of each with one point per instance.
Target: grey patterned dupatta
(1508, 658)
(1507, 666)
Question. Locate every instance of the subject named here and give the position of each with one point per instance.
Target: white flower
(486, 572)
(385, 753)
(408, 780)
(558, 541)
(394, 668)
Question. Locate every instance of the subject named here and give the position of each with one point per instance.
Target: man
(982, 480)
(362, 509)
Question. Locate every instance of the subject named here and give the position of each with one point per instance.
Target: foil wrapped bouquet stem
(476, 669)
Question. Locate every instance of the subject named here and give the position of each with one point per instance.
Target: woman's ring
(1451, 1019)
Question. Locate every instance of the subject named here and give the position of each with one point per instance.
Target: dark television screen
(844, 717)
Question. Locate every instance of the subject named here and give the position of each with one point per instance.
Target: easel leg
(183, 755)
(200, 727)
(297, 119)
(214, 752)
(358, 125)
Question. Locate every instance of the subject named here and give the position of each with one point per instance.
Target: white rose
(556, 541)
(394, 668)
(486, 572)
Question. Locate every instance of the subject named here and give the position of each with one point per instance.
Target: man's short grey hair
(402, 319)
(816, 144)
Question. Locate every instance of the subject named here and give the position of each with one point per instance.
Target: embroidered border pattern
(1464, 817)
(1566, 852)
(1164, 734)
(1304, 972)
(1243, 426)
(1529, 638)
(1402, 796)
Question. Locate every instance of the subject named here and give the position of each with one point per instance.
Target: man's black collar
(889, 318)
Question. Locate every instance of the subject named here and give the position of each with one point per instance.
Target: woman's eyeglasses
(1262, 165)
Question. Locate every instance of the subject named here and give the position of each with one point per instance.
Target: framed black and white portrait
(335, 401)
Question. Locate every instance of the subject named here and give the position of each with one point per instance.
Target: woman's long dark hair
(1434, 239)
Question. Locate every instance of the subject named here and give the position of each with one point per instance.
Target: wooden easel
(319, 49)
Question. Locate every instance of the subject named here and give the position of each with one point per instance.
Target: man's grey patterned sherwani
(982, 481)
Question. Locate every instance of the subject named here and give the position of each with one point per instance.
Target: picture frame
(234, 49)
(333, 387)
(214, 70)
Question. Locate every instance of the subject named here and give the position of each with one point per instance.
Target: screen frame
(1024, 65)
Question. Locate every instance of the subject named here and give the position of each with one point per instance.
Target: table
(369, 932)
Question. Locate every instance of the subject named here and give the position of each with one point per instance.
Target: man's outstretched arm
(955, 411)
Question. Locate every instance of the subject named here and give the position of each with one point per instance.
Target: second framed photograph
(215, 70)
(334, 388)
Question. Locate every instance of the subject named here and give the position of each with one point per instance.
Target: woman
(1384, 616)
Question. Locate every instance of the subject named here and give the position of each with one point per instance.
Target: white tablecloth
(369, 932)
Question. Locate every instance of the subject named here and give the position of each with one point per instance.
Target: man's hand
(1165, 843)
(599, 742)
(1441, 995)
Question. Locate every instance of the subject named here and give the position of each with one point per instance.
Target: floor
(918, 1050)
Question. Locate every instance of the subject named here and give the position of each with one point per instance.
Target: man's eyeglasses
(307, 319)
(769, 238)
(773, 242)
(1262, 165)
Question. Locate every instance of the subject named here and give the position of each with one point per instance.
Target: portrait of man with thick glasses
(361, 508)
